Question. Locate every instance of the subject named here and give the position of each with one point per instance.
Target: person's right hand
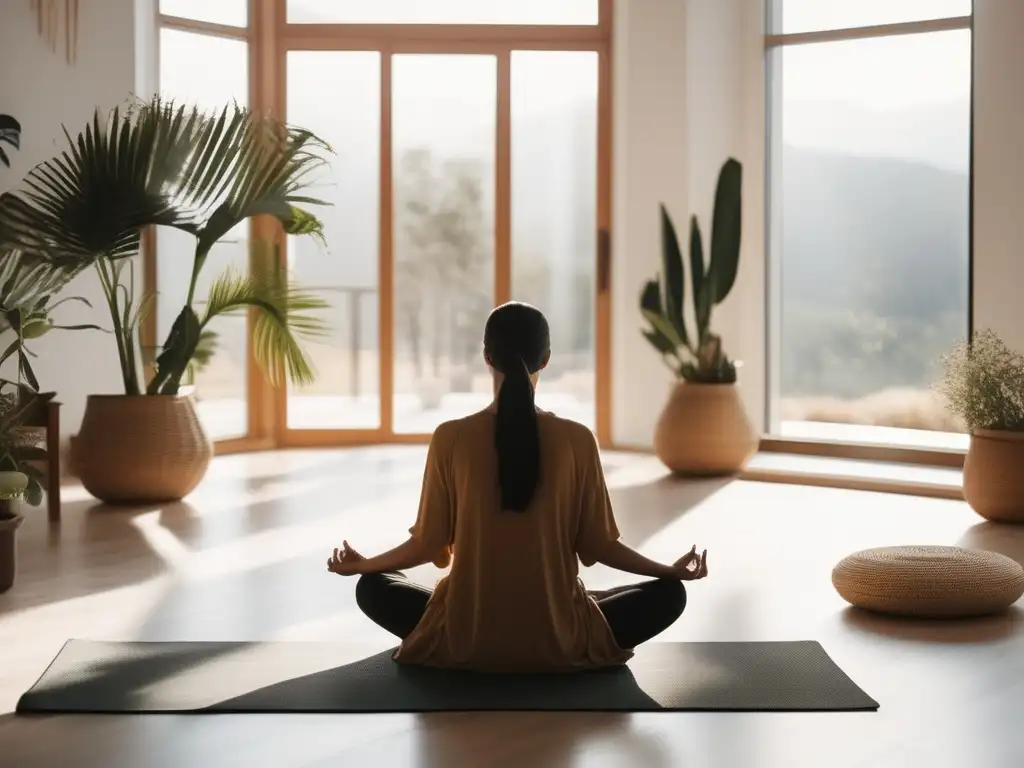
(345, 561)
(691, 566)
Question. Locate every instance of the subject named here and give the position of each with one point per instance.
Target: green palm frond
(206, 348)
(259, 167)
(286, 315)
(28, 283)
(119, 175)
(160, 164)
(10, 133)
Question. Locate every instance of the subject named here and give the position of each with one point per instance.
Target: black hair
(517, 341)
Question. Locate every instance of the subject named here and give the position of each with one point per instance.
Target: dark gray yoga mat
(103, 677)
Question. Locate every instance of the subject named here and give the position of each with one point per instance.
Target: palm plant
(10, 133)
(160, 164)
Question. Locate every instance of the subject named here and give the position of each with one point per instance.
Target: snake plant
(696, 355)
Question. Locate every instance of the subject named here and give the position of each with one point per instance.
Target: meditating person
(513, 499)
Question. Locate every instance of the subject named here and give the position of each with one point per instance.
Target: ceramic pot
(994, 475)
(704, 430)
(9, 525)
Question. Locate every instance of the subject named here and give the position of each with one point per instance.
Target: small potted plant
(20, 479)
(704, 429)
(983, 384)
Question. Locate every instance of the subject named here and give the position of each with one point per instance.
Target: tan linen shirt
(513, 600)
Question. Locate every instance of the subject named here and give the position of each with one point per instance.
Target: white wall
(688, 93)
(650, 164)
(998, 134)
(42, 91)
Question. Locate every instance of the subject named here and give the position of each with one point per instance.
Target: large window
(469, 168)
(346, 394)
(869, 216)
(208, 71)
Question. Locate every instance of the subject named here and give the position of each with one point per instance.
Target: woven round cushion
(929, 582)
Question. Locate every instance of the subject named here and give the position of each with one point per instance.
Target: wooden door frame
(270, 38)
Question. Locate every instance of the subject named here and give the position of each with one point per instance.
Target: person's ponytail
(517, 438)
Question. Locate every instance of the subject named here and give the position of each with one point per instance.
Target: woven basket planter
(704, 430)
(994, 475)
(148, 448)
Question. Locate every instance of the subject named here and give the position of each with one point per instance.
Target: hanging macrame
(49, 21)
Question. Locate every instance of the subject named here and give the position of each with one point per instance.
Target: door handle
(604, 260)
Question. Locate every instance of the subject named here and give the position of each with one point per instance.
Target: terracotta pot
(147, 448)
(8, 545)
(994, 475)
(704, 430)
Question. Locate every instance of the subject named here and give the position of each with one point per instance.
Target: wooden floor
(243, 559)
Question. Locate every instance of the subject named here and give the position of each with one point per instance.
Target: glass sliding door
(337, 95)
(464, 174)
(554, 116)
(444, 123)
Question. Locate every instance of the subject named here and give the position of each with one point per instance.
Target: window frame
(270, 37)
(838, 449)
(254, 438)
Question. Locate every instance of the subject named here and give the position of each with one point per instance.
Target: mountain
(873, 234)
(936, 134)
(874, 272)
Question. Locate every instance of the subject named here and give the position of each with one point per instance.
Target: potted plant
(983, 383)
(20, 479)
(159, 164)
(704, 429)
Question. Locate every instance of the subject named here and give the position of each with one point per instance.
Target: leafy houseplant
(983, 384)
(703, 429)
(28, 287)
(20, 478)
(159, 164)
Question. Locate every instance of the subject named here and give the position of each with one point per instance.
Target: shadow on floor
(644, 509)
(996, 537)
(985, 629)
(95, 548)
(118, 685)
(378, 684)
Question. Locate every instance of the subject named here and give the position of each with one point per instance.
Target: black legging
(635, 613)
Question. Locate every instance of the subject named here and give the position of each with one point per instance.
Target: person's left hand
(345, 562)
